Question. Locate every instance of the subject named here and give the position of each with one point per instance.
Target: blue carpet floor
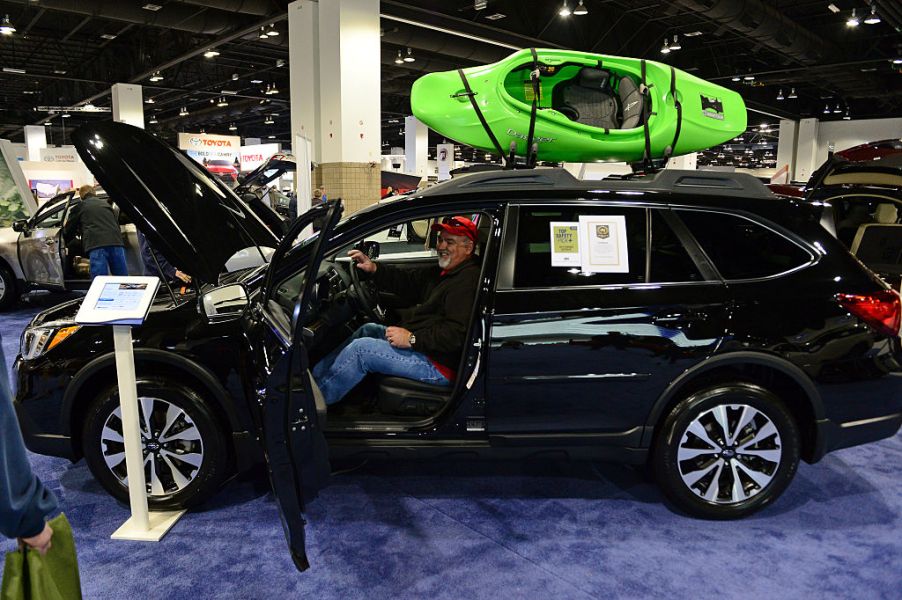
(501, 530)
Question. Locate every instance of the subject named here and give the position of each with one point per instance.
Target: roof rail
(711, 180)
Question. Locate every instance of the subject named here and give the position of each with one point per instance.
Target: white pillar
(35, 140)
(349, 81)
(445, 160)
(786, 151)
(806, 150)
(303, 70)
(416, 146)
(128, 104)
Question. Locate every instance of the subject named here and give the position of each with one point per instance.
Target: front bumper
(39, 442)
(38, 405)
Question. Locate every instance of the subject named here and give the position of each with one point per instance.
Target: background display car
(34, 254)
(224, 170)
(737, 338)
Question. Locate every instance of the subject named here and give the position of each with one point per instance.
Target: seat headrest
(595, 79)
(886, 214)
(632, 102)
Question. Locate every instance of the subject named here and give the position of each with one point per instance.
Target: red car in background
(224, 170)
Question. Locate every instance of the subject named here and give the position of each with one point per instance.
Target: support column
(786, 151)
(303, 70)
(444, 156)
(806, 152)
(128, 104)
(416, 146)
(35, 141)
(350, 101)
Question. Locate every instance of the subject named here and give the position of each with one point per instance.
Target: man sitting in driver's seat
(426, 342)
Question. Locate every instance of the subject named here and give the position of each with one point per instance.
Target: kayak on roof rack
(579, 107)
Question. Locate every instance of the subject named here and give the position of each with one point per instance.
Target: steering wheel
(367, 297)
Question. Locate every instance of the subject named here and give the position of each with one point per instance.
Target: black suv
(728, 336)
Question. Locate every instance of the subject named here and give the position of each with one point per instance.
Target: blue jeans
(108, 260)
(367, 351)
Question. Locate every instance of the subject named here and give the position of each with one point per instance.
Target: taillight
(881, 310)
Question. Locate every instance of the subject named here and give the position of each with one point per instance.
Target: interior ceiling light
(495, 17)
(6, 26)
(211, 53)
(792, 94)
(676, 44)
(837, 110)
(780, 94)
(853, 20)
(826, 109)
(47, 123)
(273, 32)
(264, 35)
(234, 76)
(897, 60)
(749, 77)
(183, 112)
(847, 116)
(409, 58)
(233, 127)
(65, 115)
(273, 89)
(271, 137)
(156, 76)
(256, 81)
(149, 101)
(736, 78)
(222, 101)
(268, 120)
(580, 9)
(665, 49)
(833, 8)
(152, 7)
(480, 4)
(108, 36)
(565, 10)
(153, 120)
(873, 18)
(400, 59)
(59, 71)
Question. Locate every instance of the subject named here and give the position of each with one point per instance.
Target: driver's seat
(408, 397)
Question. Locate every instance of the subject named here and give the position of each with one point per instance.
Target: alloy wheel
(729, 453)
(172, 445)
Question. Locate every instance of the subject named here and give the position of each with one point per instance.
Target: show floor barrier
(497, 530)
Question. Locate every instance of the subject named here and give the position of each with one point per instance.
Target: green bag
(29, 576)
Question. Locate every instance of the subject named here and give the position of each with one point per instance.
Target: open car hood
(195, 221)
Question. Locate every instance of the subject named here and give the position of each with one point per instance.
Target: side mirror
(370, 248)
(20, 225)
(225, 302)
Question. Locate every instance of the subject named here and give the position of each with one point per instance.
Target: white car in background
(34, 255)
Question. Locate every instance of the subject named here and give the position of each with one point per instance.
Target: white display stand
(123, 302)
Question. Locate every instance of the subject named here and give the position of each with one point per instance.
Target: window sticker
(603, 243)
(565, 244)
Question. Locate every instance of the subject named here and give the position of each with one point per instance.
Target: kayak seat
(588, 98)
(632, 101)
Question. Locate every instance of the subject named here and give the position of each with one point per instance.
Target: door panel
(40, 254)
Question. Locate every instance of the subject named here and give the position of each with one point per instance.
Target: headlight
(35, 341)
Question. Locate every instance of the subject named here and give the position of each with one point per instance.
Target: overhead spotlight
(233, 127)
(263, 34)
(400, 59)
(736, 78)
(565, 10)
(271, 137)
(853, 20)
(149, 101)
(269, 120)
(65, 115)
(897, 60)
(580, 9)
(837, 110)
(749, 77)
(47, 124)
(676, 45)
(234, 76)
(183, 112)
(873, 18)
(826, 109)
(847, 116)
(222, 101)
(273, 89)
(211, 53)
(792, 94)
(409, 58)
(256, 81)
(780, 95)
(273, 32)
(6, 26)
(152, 121)
(665, 49)
(156, 76)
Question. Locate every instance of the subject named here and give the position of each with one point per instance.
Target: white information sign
(115, 300)
(565, 244)
(603, 244)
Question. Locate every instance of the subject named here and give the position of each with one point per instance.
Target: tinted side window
(533, 266)
(50, 218)
(740, 248)
(670, 262)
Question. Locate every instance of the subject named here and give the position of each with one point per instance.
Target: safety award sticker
(603, 243)
(564, 244)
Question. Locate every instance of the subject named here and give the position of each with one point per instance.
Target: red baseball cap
(457, 226)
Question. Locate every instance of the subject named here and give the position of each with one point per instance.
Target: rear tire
(185, 450)
(9, 290)
(726, 451)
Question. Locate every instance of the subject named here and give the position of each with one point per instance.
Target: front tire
(184, 445)
(726, 451)
(9, 291)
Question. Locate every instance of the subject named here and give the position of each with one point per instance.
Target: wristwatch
(412, 339)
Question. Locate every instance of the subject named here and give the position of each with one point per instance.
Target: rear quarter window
(741, 248)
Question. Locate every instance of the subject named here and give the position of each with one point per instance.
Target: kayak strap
(536, 90)
(646, 108)
(679, 108)
(472, 96)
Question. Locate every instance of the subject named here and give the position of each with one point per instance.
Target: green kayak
(589, 107)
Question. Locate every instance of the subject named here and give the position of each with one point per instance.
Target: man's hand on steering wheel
(362, 261)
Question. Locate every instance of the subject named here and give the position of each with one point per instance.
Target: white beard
(444, 261)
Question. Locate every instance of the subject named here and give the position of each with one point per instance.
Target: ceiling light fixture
(409, 58)
(580, 9)
(495, 17)
(271, 137)
(263, 34)
(6, 26)
(268, 120)
(273, 32)
(847, 116)
(853, 20)
(400, 59)
(108, 36)
(665, 49)
(565, 10)
(749, 77)
(65, 115)
(222, 101)
(149, 101)
(873, 18)
(233, 127)
(156, 76)
(211, 53)
(837, 110)
(897, 60)
(273, 89)
(780, 95)
(152, 121)
(183, 112)
(826, 109)
(152, 7)
(833, 8)
(676, 44)
(256, 81)
(792, 94)
(736, 78)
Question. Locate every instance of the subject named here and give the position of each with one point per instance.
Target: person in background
(389, 191)
(24, 501)
(318, 198)
(151, 258)
(100, 233)
(322, 192)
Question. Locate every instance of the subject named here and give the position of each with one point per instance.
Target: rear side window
(743, 249)
(670, 262)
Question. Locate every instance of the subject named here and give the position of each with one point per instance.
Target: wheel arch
(101, 371)
(790, 383)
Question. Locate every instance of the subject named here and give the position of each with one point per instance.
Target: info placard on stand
(122, 302)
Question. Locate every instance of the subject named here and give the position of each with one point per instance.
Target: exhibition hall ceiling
(792, 58)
